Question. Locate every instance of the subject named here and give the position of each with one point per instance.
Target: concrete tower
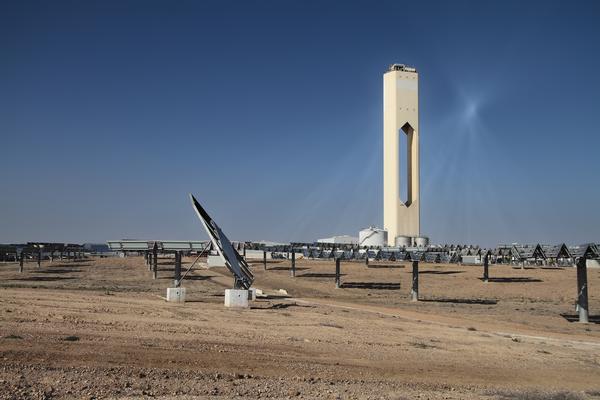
(401, 117)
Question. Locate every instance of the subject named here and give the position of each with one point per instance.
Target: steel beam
(177, 277)
(155, 261)
(338, 282)
(582, 291)
(414, 293)
(485, 268)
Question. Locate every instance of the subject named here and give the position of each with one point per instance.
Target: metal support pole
(293, 270)
(39, 260)
(485, 268)
(338, 283)
(21, 260)
(367, 258)
(265, 259)
(582, 291)
(414, 293)
(155, 261)
(244, 249)
(177, 269)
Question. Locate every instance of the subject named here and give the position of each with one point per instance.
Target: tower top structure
(401, 67)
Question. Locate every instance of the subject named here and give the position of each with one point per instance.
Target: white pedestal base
(236, 298)
(176, 295)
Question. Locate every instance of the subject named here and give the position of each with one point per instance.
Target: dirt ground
(99, 328)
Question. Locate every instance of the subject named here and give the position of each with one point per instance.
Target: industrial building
(341, 239)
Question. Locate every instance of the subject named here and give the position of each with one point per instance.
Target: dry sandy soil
(98, 328)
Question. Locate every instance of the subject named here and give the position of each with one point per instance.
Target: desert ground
(100, 328)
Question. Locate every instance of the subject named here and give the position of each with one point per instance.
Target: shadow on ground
(43, 278)
(276, 306)
(371, 285)
(461, 301)
(55, 271)
(513, 280)
(196, 278)
(594, 319)
(441, 272)
(61, 264)
(286, 269)
(391, 266)
(318, 275)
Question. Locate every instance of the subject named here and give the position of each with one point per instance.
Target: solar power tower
(401, 182)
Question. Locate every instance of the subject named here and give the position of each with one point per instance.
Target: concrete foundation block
(236, 298)
(215, 261)
(176, 295)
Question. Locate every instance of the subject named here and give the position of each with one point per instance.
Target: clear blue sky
(271, 113)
